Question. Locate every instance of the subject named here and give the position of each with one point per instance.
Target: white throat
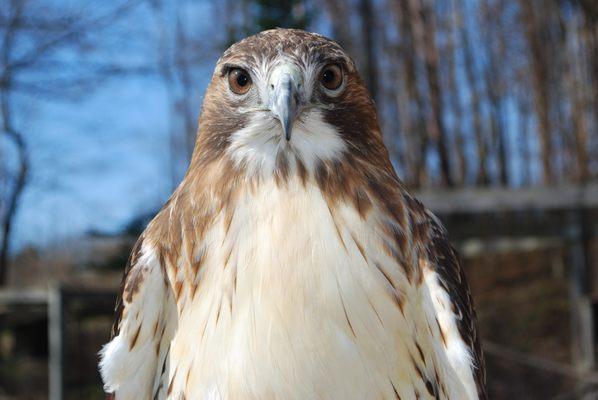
(257, 146)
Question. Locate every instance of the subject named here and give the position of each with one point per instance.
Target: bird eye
(331, 76)
(239, 81)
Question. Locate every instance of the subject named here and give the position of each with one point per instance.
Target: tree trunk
(539, 77)
(476, 109)
(13, 135)
(458, 133)
(436, 126)
(13, 202)
(341, 27)
(416, 103)
(494, 83)
(368, 25)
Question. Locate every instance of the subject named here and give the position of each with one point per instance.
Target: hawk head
(287, 99)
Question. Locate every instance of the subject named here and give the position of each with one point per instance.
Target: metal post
(55, 343)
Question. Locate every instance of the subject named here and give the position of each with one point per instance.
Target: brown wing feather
(143, 321)
(125, 285)
(449, 268)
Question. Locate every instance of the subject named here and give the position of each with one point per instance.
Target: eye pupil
(328, 76)
(242, 79)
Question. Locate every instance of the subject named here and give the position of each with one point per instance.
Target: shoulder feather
(134, 362)
(452, 278)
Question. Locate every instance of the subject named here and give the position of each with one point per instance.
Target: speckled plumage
(293, 270)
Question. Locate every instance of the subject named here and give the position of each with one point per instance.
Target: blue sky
(96, 163)
(101, 159)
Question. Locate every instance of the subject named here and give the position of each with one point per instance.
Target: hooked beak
(285, 97)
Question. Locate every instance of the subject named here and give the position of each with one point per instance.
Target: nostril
(271, 86)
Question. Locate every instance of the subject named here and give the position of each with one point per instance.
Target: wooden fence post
(56, 327)
(582, 316)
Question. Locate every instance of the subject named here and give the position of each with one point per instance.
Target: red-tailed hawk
(291, 262)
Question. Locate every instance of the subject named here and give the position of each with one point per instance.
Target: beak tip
(287, 128)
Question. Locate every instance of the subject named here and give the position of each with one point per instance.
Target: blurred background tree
(470, 93)
(47, 53)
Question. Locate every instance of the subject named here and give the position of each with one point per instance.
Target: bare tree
(15, 12)
(47, 31)
(339, 12)
(368, 25)
(468, 94)
(475, 101)
(539, 76)
(409, 46)
(493, 83)
(176, 58)
(436, 127)
(452, 33)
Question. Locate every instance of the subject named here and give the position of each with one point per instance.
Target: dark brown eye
(239, 81)
(331, 76)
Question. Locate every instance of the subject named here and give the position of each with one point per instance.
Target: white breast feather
(309, 317)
